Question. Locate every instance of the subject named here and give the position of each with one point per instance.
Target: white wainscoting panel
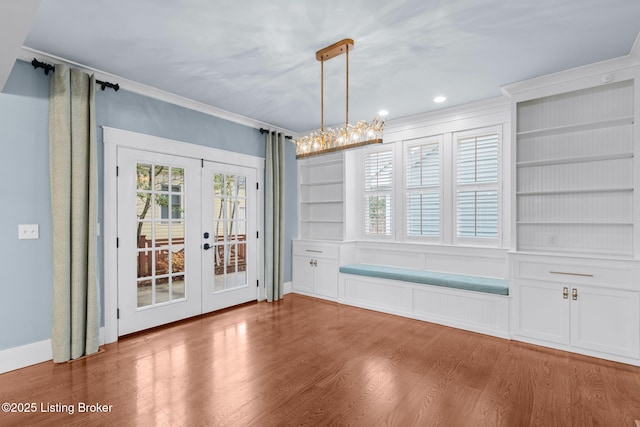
(396, 258)
(377, 294)
(473, 311)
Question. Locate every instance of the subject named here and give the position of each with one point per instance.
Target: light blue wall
(25, 265)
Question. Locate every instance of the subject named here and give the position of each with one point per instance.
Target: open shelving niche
(575, 178)
(321, 196)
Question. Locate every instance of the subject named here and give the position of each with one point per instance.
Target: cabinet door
(542, 312)
(326, 278)
(302, 272)
(606, 320)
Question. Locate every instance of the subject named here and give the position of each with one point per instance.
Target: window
(477, 183)
(378, 188)
(422, 189)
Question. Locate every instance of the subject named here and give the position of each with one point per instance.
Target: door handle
(574, 294)
(565, 293)
(207, 246)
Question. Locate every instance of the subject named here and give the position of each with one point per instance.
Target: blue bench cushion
(458, 281)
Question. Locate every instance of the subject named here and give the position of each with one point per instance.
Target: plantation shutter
(477, 186)
(378, 187)
(422, 165)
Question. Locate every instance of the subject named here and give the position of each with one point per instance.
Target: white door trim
(113, 139)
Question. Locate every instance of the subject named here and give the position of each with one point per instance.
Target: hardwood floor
(305, 361)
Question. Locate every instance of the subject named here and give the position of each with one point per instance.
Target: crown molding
(27, 54)
(602, 71)
(444, 115)
(482, 113)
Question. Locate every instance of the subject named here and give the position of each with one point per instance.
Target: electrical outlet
(28, 231)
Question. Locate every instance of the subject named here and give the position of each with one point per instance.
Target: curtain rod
(263, 131)
(48, 67)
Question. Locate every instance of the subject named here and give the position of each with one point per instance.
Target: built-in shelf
(575, 170)
(575, 191)
(576, 159)
(320, 183)
(321, 202)
(321, 196)
(577, 127)
(574, 223)
(598, 252)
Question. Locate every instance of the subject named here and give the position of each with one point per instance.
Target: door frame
(117, 138)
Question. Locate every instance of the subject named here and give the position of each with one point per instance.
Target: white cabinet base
(315, 268)
(586, 306)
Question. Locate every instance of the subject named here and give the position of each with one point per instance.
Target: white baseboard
(31, 354)
(288, 287)
(26, 355)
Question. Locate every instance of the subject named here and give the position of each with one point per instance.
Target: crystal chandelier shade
(334, 139)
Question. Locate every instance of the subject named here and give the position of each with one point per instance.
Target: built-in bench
(447, 280)
(474, 303)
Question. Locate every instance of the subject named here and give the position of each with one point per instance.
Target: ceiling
(256, 58)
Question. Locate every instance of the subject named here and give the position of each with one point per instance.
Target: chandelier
(334, 139)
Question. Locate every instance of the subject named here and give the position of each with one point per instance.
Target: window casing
(423, 204)
(378, 193)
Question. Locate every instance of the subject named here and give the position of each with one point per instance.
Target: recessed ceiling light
(439, 99)
(383, 113)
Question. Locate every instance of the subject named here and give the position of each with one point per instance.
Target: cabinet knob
(565, 293)
(574, 294)
(315, 262)
(311, 262)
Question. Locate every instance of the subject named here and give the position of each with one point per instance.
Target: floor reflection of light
(382, 378)
(177, 404)
(160, 392)
(242, 328)
(232, 369)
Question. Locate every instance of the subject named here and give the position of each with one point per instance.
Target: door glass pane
(143, 206)
(177, 260)
(160, 177)
(160, 234)
(145, 287)
(242, 186)
(177, 177)
(143, 177)
(145, 264)
(162, 290)
(241, 212)
(177, 286)
(230, 231)
(177, 233)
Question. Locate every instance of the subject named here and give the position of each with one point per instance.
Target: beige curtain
(274, 217)
(73, 178)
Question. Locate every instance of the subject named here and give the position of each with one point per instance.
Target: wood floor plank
(305, 361)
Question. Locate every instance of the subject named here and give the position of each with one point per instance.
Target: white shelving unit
(574, 168)
(574, 275)
(321, 197)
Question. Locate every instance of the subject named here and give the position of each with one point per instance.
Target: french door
(230, 234)
(183, 247)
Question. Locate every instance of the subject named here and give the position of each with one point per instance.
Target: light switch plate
(28, 231)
